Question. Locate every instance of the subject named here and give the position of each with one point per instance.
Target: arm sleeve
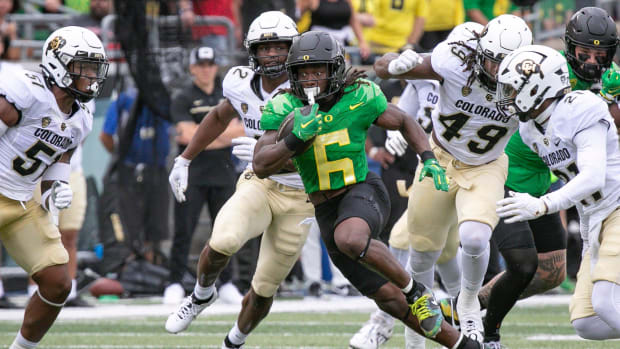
(592, 165)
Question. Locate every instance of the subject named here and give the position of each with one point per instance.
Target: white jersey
(420, 99)
(243, 89)
(469, 126)
(42, 134)
(577, 111)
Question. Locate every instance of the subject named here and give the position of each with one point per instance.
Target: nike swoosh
(307, 123)
(557, 142)
(354, 106)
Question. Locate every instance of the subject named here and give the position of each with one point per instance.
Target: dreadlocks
(469, 60)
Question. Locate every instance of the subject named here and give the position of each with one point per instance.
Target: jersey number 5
(18, 163)
(489, 133)
(325, 167)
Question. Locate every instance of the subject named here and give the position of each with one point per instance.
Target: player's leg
(516, 243)
(34, 243)
(244, 216)
(480, 189)
(280, 248)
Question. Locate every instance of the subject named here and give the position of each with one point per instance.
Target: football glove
(406, 61)
(61, 195)
(395, 143)
(520, 207)
(307, 122)
(433, 169)
(611, 84)
(244, 148)
(178, 177)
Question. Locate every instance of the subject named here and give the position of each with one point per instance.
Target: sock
(32, 288)
(73, 293)
(203, 293)
(450, 273)
(235, 336)
(401, 255)
(474, 268)
(22, 343)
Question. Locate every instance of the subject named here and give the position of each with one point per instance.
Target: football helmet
(499, 37)
(270, 26)
(71, 53)
(528, 76)
(316, 47)
(590, 27)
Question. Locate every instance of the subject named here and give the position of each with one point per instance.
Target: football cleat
(471, 320)
(186, 313)
(424, 306)
(448, 310)
(374, 333)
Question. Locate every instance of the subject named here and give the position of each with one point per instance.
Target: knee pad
(226, 244)
(474, 237)
(422, 261)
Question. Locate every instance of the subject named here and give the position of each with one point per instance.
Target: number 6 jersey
(42, 134)
(468, 125)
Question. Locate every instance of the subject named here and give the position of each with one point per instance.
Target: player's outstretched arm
(210, 128)
(270, 157)
(407, 65)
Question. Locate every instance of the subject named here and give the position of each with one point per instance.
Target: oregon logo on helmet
(528, 67)
(56, 43)
(597, 42)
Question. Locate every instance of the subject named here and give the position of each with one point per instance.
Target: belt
(319, 197)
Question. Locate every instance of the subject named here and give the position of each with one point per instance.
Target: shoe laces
(470, 326)
(187, 308)
(421, 308)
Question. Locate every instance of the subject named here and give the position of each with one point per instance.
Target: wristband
(427, 155)
(59, 171)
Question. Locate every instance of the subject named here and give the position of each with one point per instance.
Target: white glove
(520, 207)
(244, 148)
(61, 195)
(178, 177)
(407, 60)
(395, 143)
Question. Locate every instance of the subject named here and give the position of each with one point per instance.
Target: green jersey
(527, 173)
(337, 156)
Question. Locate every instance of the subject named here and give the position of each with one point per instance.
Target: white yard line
(333, 304)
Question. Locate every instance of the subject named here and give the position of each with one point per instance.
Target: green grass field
(531, 327)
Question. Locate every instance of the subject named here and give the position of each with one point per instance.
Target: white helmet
(500, 36)
(270, 26)
(528, 76)
(81, 49)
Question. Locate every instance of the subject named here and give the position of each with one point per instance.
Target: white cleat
(188, 310)
(470, 319)
(374, 333)
(230, 294)
(174, 294)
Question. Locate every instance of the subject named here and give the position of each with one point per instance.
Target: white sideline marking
(332, 304)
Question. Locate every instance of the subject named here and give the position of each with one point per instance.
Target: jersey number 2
(325, 167)
(18, 163)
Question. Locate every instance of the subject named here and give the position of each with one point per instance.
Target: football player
(276, 207)
(542, 242)
(331, 113)
(42, 121)
(574, 134)
(419, 98)
(469, 136)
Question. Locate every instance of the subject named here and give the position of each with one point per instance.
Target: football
(105, 286)
(285, 129)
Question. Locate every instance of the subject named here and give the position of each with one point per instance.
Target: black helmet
(315, 47)
(590, 27)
